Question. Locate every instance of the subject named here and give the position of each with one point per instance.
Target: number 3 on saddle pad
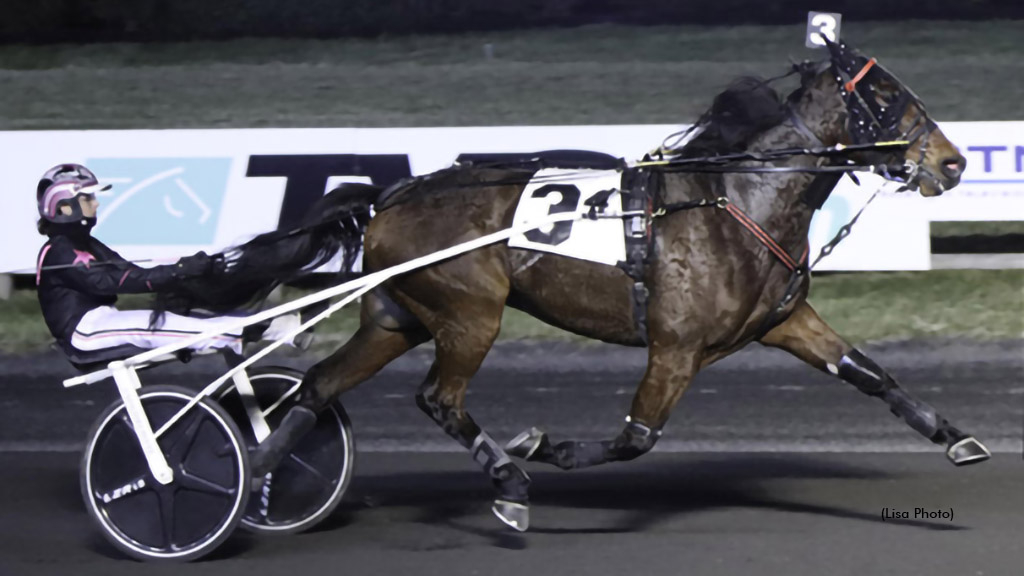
(554, 191)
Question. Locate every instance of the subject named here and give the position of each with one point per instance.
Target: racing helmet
(60, 186)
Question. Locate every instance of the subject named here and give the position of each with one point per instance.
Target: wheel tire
(311, 482)
(198, 510)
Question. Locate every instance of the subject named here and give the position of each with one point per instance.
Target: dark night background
(60, 21)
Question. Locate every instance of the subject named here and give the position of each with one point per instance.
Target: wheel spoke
(310, 469)
(226, 449)
(167, 517)
(189, 481)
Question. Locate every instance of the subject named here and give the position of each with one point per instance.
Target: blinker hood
(872, 118)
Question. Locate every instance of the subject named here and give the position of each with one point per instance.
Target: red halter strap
(860, 75)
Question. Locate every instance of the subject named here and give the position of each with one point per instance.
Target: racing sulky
(722, 262)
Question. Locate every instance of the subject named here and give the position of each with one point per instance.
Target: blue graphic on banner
(160, 201)
(825, 223)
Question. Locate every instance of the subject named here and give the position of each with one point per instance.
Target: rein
(700, 163)
(720, 164)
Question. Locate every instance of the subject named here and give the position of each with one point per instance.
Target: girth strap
(640, 188)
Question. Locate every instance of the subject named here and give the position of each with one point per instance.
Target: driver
(78, 279)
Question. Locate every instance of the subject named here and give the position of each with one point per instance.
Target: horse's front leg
(805, 335)
(669, 372)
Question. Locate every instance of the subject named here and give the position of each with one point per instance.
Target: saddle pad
(554, 191)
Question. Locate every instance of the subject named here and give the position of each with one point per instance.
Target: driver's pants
(108, 327)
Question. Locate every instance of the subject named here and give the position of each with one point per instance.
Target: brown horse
(719, 275)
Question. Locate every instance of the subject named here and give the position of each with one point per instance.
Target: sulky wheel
(186, 518)
(311, 480)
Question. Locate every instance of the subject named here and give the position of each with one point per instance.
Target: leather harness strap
(766, 238)
(798, 267)
(640, 187)
(853, 82)
(747, 222)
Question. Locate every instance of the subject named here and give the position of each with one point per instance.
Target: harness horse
(716, 259)
(712, 285)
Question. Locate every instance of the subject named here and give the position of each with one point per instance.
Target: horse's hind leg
(670, 369)
(381, 338)
(369, 350)
(805, 335)
(464, 334)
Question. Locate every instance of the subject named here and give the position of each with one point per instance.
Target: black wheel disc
(311, 480)
(181, 520)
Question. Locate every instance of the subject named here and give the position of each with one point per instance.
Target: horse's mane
(748, 107)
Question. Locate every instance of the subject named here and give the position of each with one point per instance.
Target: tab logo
(160, 201)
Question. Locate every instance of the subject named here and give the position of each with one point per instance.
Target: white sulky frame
(126, 377)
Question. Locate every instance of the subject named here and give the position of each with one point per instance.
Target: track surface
(766, 467)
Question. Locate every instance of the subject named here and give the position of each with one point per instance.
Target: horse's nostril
(953, 167)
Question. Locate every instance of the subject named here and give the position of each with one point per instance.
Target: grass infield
(977, 304)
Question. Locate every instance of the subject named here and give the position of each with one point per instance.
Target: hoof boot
(967, 451)
(516, 515)
(525, 445)
(296, 424)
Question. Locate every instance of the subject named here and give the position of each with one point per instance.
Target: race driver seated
(78, 279)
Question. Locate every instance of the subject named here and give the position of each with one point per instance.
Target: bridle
(870, 121)
(872, 126)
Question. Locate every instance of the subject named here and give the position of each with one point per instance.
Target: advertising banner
(179, 191)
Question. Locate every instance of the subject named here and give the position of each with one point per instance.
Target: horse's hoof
(515, 515)
(525, 444)
(967, 451)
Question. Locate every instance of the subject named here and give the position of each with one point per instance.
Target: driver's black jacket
(92, 275)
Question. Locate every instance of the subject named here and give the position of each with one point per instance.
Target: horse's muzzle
(953, 169)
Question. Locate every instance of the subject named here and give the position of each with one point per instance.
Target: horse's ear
(842, 54)
(835, 49)
(807, 70)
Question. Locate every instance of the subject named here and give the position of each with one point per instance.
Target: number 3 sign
(822, 24)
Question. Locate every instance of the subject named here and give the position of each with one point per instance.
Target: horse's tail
(334, 224)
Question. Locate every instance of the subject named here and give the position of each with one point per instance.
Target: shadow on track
(649, 494)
